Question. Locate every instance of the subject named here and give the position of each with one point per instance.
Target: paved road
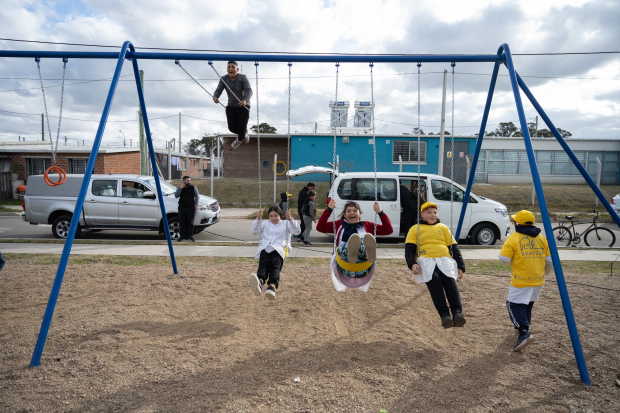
(226, 230)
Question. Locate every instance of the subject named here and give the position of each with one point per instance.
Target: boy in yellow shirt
(438, 263)
(527, 251)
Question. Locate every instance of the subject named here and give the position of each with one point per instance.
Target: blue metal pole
(149, 141)
(557, 266)
(77, 212)
(295, 58)
(568, 150)
(472, 172)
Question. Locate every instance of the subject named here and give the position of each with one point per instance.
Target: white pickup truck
(113, 202)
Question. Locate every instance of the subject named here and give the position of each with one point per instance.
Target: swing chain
(452, 159)
(178, 62)
(288, 153)
(334, 161)
(260, 193)
(62, 94)
(374, 138)
(418, 213)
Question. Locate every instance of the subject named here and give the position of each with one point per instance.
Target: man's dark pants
(437, 285)
(269, 266)
(301, 224)
(186, 221)
(238, 120)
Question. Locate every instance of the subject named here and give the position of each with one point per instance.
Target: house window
(37, 166)
(408, 150)
(77, 166)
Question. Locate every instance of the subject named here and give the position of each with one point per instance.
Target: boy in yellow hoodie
(527, 251)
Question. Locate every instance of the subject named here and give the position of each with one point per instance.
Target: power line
(302, 53)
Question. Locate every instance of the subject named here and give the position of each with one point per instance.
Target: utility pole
(42, 127)
(143, 151)
(180, 145)
(169, 144)
(65, 140)
(315, 126)
(219, 159)
(443, 125)
(536, 133)
(186, 159)
(199, 170)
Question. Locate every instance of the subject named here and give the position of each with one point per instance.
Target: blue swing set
(503, 56)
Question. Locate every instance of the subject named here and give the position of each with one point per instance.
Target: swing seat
(354, 282)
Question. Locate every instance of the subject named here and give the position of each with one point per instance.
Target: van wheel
(61, 225)
(484, 234)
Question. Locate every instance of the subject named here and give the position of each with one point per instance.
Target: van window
(104, 188)
(365, 189)
(133, 189)
(345, 189)
(441, 191)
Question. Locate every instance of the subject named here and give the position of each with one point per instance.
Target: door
(442, 193)
(387, 196)
(408, 198)
(101, 203)
(461, 150)
(133, 209)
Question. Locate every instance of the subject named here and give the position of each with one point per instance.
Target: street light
(124, 140)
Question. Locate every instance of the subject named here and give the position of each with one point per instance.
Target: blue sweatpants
(520, 315)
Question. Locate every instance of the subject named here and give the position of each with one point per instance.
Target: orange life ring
(62, 176)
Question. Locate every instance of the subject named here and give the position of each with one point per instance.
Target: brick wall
(243, 161)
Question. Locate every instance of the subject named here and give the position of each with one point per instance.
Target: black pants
(269, 266)
(439, 284)
(520, 315)
(237, 118)
(301, 224)
(186, 221)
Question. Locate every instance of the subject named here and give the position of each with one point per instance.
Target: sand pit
(140, 339)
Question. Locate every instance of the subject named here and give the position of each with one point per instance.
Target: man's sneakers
(255, 285)
(459, 320)
(247, 137)
(180, 239)
(370, 244)
(446, 321)
(270, 293)
(523, 341)
(236, 143)
(191, 239)
(353, 246)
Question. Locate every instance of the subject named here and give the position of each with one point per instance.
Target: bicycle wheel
(563, 236)
(600, 237)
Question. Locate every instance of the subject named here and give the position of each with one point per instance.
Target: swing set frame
(502, 57)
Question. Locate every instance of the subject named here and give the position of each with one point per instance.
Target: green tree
(263, 128)
(417, 131)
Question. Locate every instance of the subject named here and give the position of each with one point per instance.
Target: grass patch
(11, 202)
(4, 209)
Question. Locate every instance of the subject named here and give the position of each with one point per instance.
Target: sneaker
(523, 341)
(270, 293)
(255, 285)
(353, 246)
(180, 239)
(370, 244)
(446, 321)
(300, 239)
(236, 143)
(306, 244)
(459, 320)
(191, 239)
(247, 137)
(309, 244)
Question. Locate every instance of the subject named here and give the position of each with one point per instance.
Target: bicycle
(593, 236)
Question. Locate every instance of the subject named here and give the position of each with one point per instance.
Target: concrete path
(185, 249)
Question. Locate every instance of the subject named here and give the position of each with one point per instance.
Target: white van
(485, 221)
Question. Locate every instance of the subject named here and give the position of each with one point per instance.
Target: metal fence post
(275, 175)
(599, 170)
(211, 168)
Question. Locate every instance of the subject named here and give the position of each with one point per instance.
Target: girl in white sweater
(274, 247)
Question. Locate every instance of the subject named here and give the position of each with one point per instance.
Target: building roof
(39, 148)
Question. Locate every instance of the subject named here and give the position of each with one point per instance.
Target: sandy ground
(140, 339)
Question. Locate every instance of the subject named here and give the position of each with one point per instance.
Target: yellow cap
(523, 217)
(427, 205)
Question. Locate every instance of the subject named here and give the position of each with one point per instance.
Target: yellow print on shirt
(528, 249)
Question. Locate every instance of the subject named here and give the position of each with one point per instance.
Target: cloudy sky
(579, 92)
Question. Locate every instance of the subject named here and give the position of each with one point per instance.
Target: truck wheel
(484, 234)
(174, 228)
(60, 227)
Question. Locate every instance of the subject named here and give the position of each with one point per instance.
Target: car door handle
(125, 203)
(93, 201)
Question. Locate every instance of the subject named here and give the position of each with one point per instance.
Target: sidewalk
(250, 252)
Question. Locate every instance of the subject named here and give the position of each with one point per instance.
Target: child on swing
(356, 250)
(274, 247)
(436, 260)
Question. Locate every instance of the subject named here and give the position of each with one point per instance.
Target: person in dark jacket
(409, 205)
(188, 204)
(309, 213)
(303, 194)
(239, 93)
(284, 196)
